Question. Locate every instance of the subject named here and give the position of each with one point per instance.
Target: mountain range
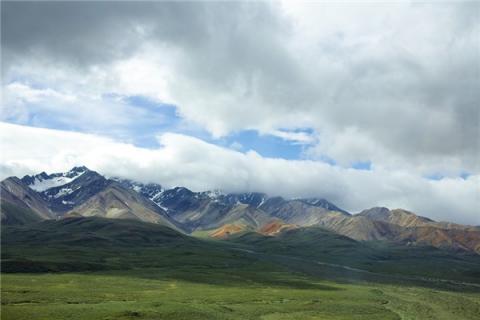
(86, 193)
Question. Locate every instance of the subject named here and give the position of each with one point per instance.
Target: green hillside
(15, 215)
(320, 245)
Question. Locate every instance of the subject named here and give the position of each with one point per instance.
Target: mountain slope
(78, 192)
(18, 194)
(424, 232)
(276, 227)
(408, 219)
(362, 257)
(298, 211)
(398, 217)
(117, 202)
(15, 215)
(210, 209)
(455, 238)
(358, 227)
(227, 230)
(93, 231)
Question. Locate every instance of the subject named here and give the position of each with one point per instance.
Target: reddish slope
(227, 230)
(276, 227)
(442, 238)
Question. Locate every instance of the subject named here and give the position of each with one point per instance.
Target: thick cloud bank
(190, 162)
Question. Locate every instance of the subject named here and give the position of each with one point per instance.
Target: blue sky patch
(435, 176)
(266, 145)
(362, 165)
(464, 175)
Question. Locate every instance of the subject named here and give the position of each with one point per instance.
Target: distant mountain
(83, 192)
(78, 192)
(212, 209)
(208, 210)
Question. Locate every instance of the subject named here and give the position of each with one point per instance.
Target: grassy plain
(153, 294)
(98, 269)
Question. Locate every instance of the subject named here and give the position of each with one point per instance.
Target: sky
(364, 104)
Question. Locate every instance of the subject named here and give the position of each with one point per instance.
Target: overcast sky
(364, 105)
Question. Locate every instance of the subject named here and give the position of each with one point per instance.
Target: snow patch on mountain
(63, 192)
(156, 197)
(40, 184)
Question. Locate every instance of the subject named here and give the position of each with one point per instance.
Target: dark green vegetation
(15, 215)
(94, 268)
(317, 244)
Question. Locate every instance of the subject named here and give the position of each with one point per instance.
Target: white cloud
(21, 92)
(296, 137)
(187, 161)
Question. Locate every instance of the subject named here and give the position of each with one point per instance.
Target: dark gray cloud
(87, 33)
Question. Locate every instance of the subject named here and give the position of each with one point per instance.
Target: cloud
(187, 161)
(374, 82)
(296, 137)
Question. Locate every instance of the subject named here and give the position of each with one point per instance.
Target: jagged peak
(43, 181)
(79, 169)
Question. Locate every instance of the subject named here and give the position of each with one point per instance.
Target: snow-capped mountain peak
(43, 181)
